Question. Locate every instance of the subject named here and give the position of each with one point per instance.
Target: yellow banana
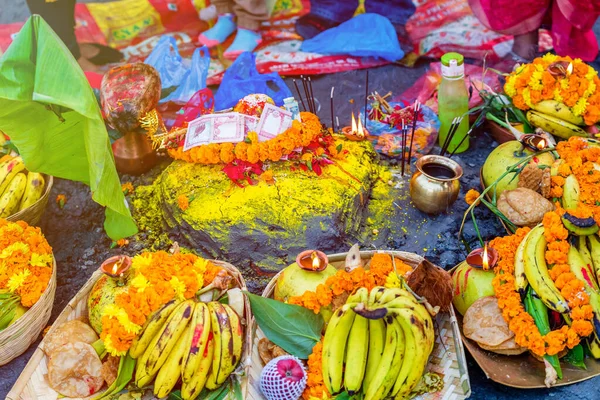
(9, 171)
(559, 110)
(376, 345)
(393, 293)
(585, 253)
(33, 190)
(419, 311)
(356, 357)
(571, 190)
(215, 307)
(375, 295)
(579, 269)
(391, 362)
(414, 366)
(238, 335)
(227, 357)
(594, 346)
(595, 253)
(151, 328)
(191, 389)
(553, 125)
(168, 336)
(520, 277)
(9, 202)
(196, 340)
(537, 274)
(334, 347)
(169, 373)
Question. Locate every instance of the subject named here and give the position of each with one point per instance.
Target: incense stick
(304, 86)
(300, 95)
(453, 128)
(312, 96)
(447, 136)
(461, 142)
(366, 97)
(416, 110)
(331, 99)
(403, 143)
(337, 123)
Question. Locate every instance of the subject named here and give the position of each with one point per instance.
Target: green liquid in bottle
(453, 101)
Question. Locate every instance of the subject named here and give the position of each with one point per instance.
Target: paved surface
(80, 245)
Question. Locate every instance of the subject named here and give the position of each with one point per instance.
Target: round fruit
(103, 293)
(505, 156)
(470, 284)
(283, 378)
(294, 281)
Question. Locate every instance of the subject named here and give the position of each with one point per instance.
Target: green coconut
(294, 281)
(103, 293)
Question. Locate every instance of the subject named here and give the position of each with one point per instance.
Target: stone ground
(80, 245)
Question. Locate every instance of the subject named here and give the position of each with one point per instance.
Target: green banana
(537, 274)
(11, 198)
(169, 373)
(151, 328)
(33, 190)
(585, 253)
(571, 190)
(376, 344)
(553, 125)
(334, 347)
(391, 362)
(195, 341)
(520, 277)
(559, 110)
(356, 356)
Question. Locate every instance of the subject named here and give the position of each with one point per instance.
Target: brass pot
(134, 154)
(435, 185)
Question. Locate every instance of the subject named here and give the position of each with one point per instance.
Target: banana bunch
(556, 118)
(378, 342)
(197, 343)
(18, 188)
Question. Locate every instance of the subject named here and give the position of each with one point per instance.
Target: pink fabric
(572, 21)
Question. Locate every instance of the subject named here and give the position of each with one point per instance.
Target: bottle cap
(289, 100)
(453, 65)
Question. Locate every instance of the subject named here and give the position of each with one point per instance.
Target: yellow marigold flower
(591, 89)
(307, 157)
(535, 82)
(110, 347)
(579, 107)
(509, 88)
(17, 280)
(549, 57)
(392, 281)
(112, 310)
(471, 196)
(591, 73)
(564, 84)
(140, 283)
(38, 260)
(200, 266)
(253, 136)
(557, 95)
(17, 246)
(141, 261)
(178, 287)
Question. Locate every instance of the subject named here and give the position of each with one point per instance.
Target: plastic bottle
(290, 104)
(453, 101)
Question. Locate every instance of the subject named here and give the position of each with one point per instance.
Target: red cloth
(571, 20)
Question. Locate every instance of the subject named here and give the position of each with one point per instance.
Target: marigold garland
(26, 261)
(531, 83)
(155, 279)
(346, 282)
(298, 135)
(519, 321)
(315, 386)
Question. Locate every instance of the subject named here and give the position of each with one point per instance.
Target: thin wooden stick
(300, 95)
(448, 136)
(403, 143)
(305, 87)
(337, 123)
(451, 135)
(366, 97)
(331, 99)
(312, 95)
(416, 110)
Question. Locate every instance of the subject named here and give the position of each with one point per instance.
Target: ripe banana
(595, 253)
(578, 268)
(559, 110)
(393, 293)
(594, 346)
(419, 312)
(356, 357)
(585, 253)
(191, 389)
(169, 373)
(537, 274)
(215, 308)
(151, 328)
(9, 202)
(555, 126)
(33, 191)
(229, 345)
(238, 335)
(520, 277)
(8, 172)
(167, 337)
(195, 340)
(391, 362)
(375, 295)
(571, 190)
(334, 347)
(377, 332)
(412, 370)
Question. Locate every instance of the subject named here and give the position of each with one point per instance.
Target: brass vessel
(134, 154)
(435, 185)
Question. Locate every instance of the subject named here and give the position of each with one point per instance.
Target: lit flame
(115, 268)
(570, 69)
(316, 262)
(485, 261)
(541, 144)
(353, 124)
(360, 132)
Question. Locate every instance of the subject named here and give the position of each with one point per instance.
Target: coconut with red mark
(283, 378)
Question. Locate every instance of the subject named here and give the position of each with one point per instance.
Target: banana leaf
(51, 114)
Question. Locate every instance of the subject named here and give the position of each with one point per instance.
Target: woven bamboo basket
(447, 357)
(17, 338)
(32, 383)
(34, 212)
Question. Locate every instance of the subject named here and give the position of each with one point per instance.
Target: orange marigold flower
(61, 200)
(127, 188)
(471, 196)
(183, 202)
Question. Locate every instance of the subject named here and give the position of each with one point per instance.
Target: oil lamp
(312, 260)
(116, 268)
(534, 142)
(483, 258)
(355, 132)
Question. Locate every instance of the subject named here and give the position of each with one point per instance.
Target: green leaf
(218, 394)
(293, 328)
(236, 388)
(176, 395)
(343, 396)
(575, 357)
(224, 299)
(126, 367)
(339, 147)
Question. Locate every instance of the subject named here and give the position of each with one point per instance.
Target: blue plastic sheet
(242, 78)
(166, 60)
(195, 79)
(366, 35)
